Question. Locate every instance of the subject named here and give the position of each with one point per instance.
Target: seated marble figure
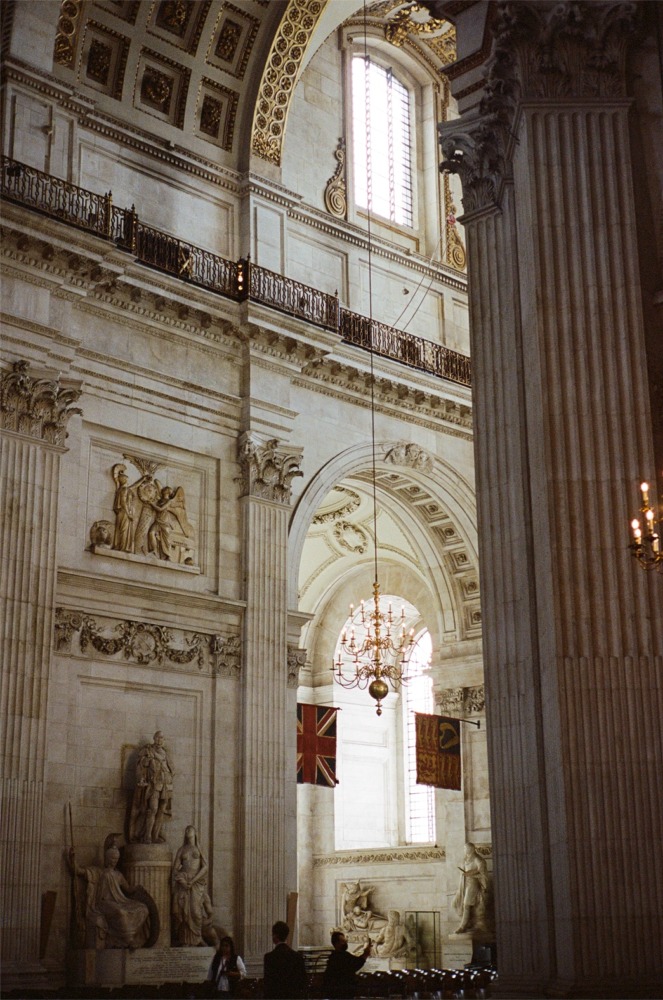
(113, 913)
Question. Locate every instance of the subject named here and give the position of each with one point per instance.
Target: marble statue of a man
(153, 793)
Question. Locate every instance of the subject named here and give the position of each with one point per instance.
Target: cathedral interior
(323, 319)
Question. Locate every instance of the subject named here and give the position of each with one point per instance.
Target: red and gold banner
(438, 751)
(316, 745)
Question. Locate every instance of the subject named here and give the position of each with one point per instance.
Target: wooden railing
(238, 280)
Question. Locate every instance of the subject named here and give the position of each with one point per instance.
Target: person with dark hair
(226, 968)
(284, 975)
(340, 979)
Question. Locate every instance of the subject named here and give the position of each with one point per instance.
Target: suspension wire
(369, 208)
(423, 299)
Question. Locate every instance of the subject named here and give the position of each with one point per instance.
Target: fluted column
(573, 628)
(33, 415)
(267, 831)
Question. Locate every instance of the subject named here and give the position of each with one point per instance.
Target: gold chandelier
(378, 659)
(646, 544)
(380, 656)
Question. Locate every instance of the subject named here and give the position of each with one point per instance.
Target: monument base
(113, 967)
(457, 951)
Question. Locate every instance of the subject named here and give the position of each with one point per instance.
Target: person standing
(226, 968)
(284, 975)
(340, 978)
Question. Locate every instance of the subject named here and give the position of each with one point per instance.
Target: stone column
(150, 865)
(267, 827)
(34, 411)
(573, 628)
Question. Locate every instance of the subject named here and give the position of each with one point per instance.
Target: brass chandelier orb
(646, 544)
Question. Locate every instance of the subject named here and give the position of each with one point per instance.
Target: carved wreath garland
(139, 641)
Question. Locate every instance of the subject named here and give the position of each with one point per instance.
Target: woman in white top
(226, 968)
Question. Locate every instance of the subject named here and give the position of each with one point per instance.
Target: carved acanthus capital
(473, 148)
(450, 701)
(462, 701)
(475, 700)
(226, 654)
(296, 662)
(564, 50)
(39, 407)
(267, 473)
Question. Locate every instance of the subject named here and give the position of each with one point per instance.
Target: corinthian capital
(267, 473)
(473, 149)
(39, 407)
(572, 49)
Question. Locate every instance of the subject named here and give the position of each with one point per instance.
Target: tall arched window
(418, 697)
(382, 141)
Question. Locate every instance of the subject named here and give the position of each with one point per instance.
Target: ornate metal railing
(234, 279)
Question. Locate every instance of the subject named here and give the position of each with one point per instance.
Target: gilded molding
(455, 254)
(66, 34)
(267, 473)
(402, 24)
(335, 191)
(37, 407)
(402, 855)
(280, 75)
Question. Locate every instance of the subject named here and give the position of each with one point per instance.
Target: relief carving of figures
(356, 914)
(226, 655)
(407, 453)
(153, 794)
(267, 473)
(37, 407)
(394, 941)
(112, 913)
(150, 518)
(192, 907)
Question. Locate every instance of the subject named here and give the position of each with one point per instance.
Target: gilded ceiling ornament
(280, 75)
(403, 24)
(335, 197)
(66, 36)
(37, 407)
(267, 473)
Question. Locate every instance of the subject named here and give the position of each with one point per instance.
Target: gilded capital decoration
(37, 407)
(335, 192)
(267, 474)
(280, 75)
(296, 662)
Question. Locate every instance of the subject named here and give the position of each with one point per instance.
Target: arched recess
(433, 509)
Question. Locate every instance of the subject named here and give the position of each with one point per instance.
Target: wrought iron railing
(233, 279)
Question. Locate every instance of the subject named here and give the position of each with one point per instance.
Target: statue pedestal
(457, 951)
(150, 865)
(112, 967)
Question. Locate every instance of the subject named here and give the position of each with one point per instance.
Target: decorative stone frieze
(450, 700)
(226, 654)
(138, 642)
(296, 662)
(267, 474)
(474, 701)
(335, 190)
(407, 453)
(39, 407)
(402, 855)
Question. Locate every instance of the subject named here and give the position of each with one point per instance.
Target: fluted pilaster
(267, 830)
(573, 629)
(33, 416)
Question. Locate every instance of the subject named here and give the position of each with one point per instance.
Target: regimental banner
(316, 745)
(438, 751)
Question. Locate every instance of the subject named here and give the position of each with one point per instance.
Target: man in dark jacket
(284, 976)
(340, 978)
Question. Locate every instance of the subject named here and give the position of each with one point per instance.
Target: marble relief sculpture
(393, 940)
(357, 915)
(113, 914)
(152, 799)
(192, 906)
(469, 901)
(150, 518)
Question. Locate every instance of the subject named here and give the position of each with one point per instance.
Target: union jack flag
(316, 745)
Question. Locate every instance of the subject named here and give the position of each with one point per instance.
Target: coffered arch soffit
(426, 532)
(213, 77)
